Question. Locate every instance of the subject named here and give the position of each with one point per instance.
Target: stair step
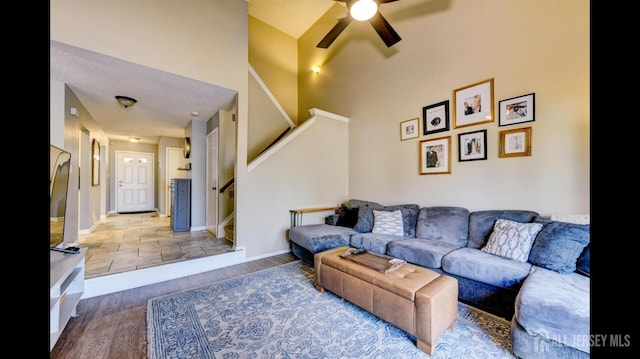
(228, 232)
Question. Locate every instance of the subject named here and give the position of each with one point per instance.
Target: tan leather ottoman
(417, 300)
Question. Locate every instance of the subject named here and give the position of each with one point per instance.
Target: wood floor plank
(114, 326)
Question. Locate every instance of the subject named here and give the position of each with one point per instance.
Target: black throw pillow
(348, 216)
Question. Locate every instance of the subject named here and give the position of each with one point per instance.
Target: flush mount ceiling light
(125, 101)
(134, 139)
(362, 10)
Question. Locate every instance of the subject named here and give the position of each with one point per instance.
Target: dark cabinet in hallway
(180, 204)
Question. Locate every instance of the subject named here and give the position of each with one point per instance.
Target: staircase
(228, 232)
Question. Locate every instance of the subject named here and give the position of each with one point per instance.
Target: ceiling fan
(363, 10)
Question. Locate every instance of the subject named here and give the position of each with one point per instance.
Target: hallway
(126, 242)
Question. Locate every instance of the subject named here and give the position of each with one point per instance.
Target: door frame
(119, 153)
(212, 182)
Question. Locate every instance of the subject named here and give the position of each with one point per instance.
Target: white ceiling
(165, 101)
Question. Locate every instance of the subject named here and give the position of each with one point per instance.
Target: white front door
(175, 160)
(134, 181)
(212, 182)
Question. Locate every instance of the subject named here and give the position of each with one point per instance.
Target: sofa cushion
(583, 265)
(373, 242)
(320, 237)
(555, 306)
(558, 245)
(388, 223)
(512, 240)
(481, 223)
(447, 224)
(423, 252)
(409, 217)
(486, 268)
(355, 203)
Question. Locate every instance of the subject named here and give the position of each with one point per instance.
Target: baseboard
(122, 281)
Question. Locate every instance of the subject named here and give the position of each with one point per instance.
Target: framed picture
(517, 110)
(95, 163)
(515, 143)
(473, 104)
(409, 129)
(435, 156)
(472, 146)
(435, 118)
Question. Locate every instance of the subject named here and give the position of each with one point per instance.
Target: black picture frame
(517, 110)
(472, 146)
(435, 118)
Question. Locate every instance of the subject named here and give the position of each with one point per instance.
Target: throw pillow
(558, 245)
(364, 223)
(388, 222)
(348, 216)
(512, 240)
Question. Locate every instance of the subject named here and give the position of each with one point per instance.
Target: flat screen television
(58, 188)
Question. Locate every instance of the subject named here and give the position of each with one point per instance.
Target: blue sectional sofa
(516, 264)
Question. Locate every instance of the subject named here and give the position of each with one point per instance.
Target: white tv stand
(66, 288)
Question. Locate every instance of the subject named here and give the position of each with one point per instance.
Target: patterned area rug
(277, 313)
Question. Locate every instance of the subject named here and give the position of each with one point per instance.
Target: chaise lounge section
(517, 264)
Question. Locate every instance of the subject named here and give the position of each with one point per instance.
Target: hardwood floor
(115, 325)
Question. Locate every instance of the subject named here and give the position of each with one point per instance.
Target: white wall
(539, 46)
(198, 174)
(65, 133)
(311, 171)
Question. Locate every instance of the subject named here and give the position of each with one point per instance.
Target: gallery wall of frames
(470, 106)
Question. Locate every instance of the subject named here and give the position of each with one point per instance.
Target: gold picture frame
(409, 129)
(515, 143)
(473, 104)
(435, 156)
(95, 163)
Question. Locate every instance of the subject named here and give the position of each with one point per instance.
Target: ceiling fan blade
(384, 29)
(328, 39)
(383, 1)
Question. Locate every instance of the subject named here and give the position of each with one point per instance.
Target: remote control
(73, 250)
(358, 251)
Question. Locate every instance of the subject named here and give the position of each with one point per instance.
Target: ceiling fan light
(362, 10)
(125, 101)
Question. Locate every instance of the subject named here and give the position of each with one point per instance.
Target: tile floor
(126, 242)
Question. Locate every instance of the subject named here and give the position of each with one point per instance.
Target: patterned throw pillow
(385, 222)
(511, 239)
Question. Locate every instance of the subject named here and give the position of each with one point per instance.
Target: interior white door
(134, 181)
(175, 160)
(212, 182)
